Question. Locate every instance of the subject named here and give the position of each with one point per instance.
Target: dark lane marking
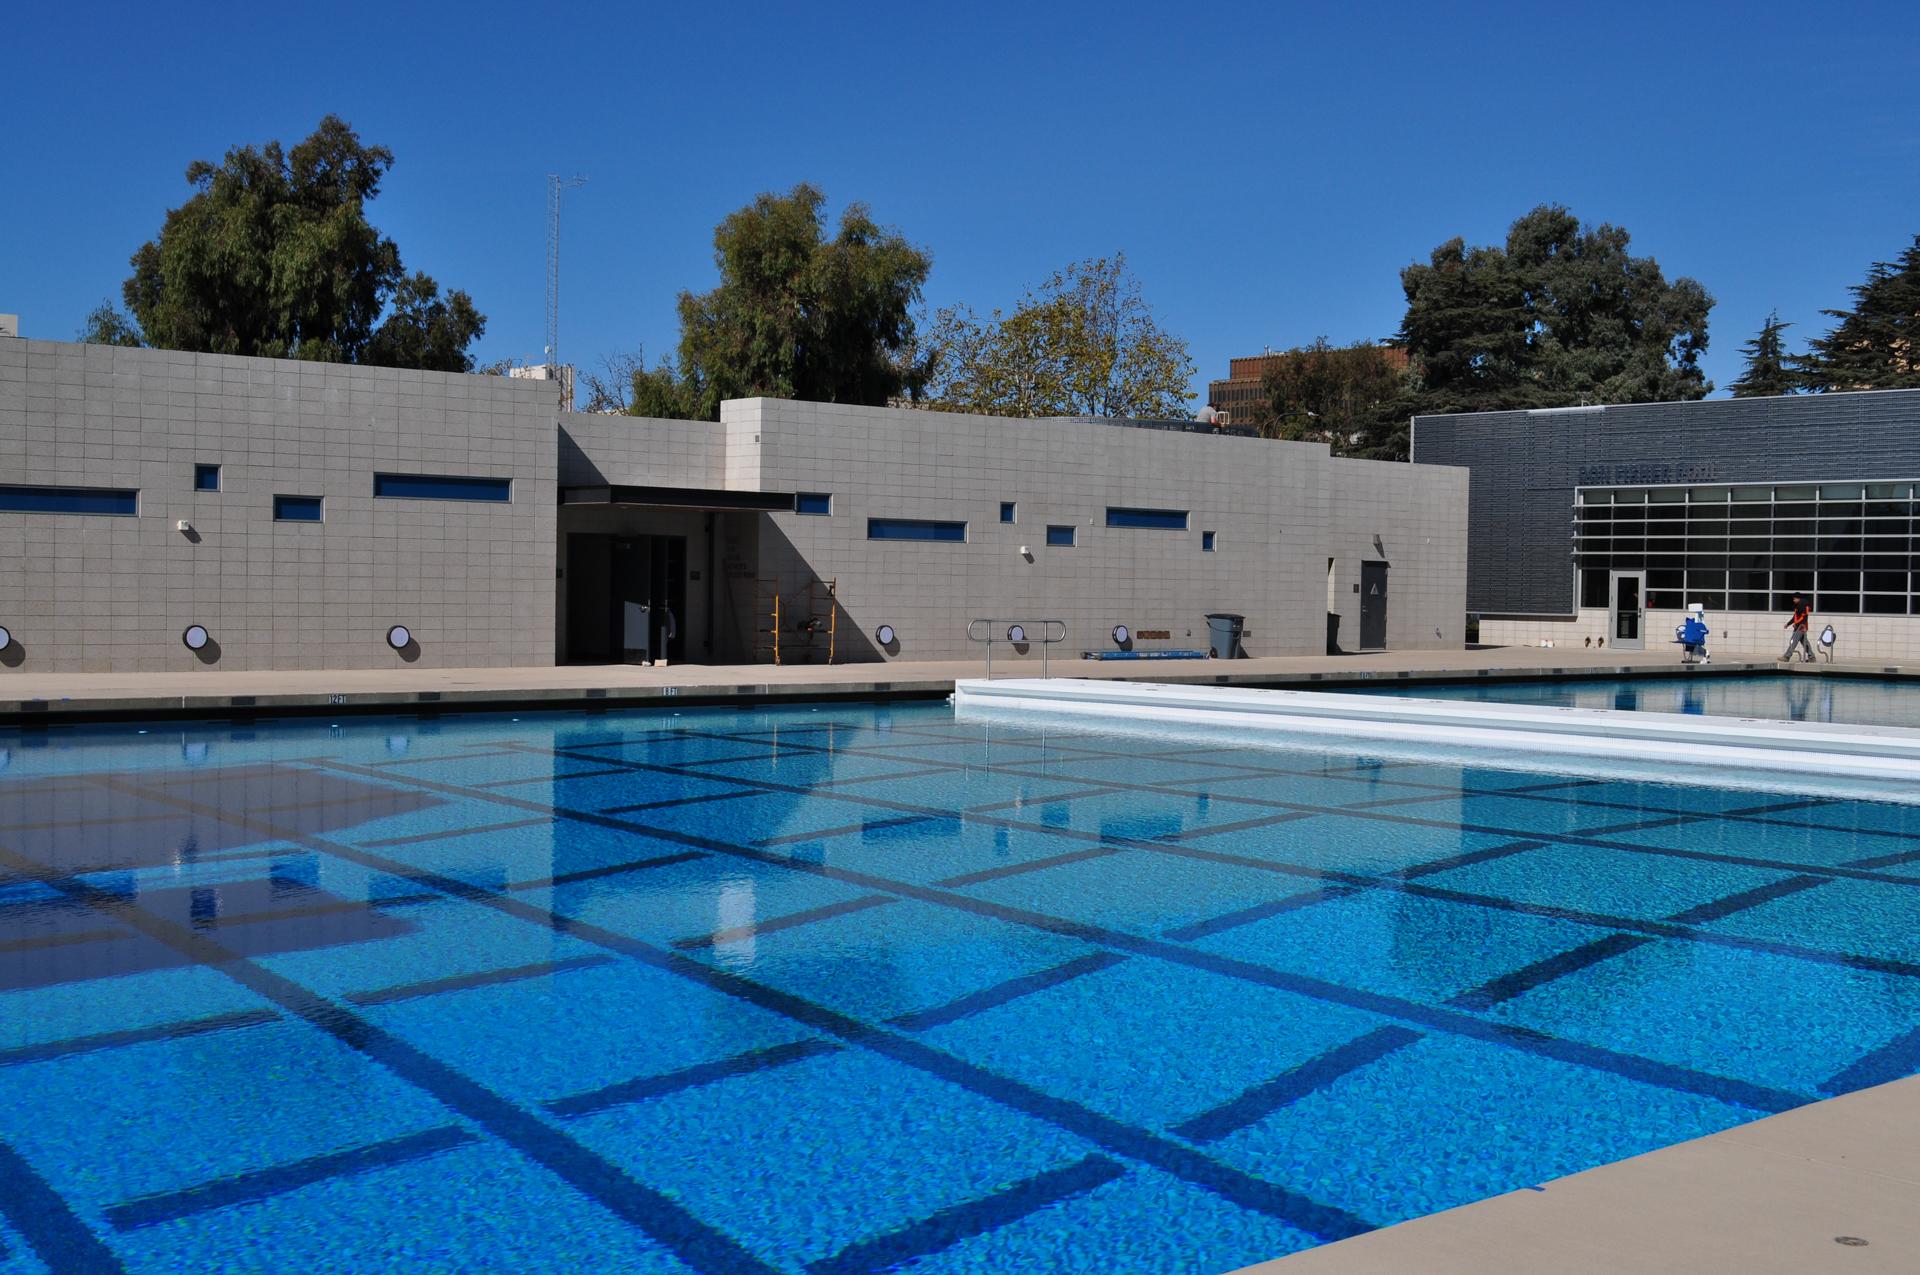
(487, 978)
(1895, 1060)
(942, 1230)
(244, 1188)
(1031, 865)
(69, 939)
(740, 933)
(137, 1036)
(1242, 825)
(1540, 973)
(1020, 803)
(1261, 1101)
(536, 779)
(1759, 894)
(1003, 993)
(1465, 859)
(1258, 912)
(823, 834)
(663, 804)
(625, 1092)
(608, 870)
(35, 1210)
(381, 843)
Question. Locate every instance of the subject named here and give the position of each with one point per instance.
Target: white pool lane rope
(1670, 744)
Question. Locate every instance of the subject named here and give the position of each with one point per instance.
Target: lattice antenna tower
(555, 184)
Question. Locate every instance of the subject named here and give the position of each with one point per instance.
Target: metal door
(1373, 606)
(1626, 613)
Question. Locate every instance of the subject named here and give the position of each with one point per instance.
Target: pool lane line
(67, 1046)
(774, 924)
(669, 802)
(607, 870)
(1166, 1154)
(1894, 1060)
(1720, 909)
(627, 1092)
(1527, 978)
(1667, 1075)
(653, 1213)
(414, 838)
(871, 825)
(263, 1184)
(42, 1217)
(891, 1250)
(464, 982)
(1258, 912)
(1003, 993)
(1262, 1100)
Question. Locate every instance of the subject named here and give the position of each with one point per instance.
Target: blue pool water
(1779, 697)
(866, 989)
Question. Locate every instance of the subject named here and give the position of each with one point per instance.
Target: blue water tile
(451, 814)
(1843, 817)
(16, 1258)
(688, 900)
(1609, 882)
(1397, 944)
(1323, 788)
(1783, 843)
(172, 1114)
(806, 769)
(960, 788)
(583, 1029)
(746, 821)
(663, 749)
(1139, 815)
(529, 852)
(1143, 1222)
(94, 1006)
(900, 957)
(801, 1161)
(1858, 918)
(632, 787)
(1348, 843)
(1149, 1042)
(1772, 1020)
(444, 938)
(486, 768)
(1138, 891)
(1149, 770)
(479, 1208)
(1446, 1121)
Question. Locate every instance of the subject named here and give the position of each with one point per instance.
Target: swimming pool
(1855, 701)
(866, 988)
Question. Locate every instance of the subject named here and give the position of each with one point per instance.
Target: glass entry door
(1627, 615)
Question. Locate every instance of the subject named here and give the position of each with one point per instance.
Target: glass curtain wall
(1849, 547)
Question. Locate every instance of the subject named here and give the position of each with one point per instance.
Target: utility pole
(556, 184)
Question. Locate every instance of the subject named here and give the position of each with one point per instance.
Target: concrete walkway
(214, 690)
(1788, 1195)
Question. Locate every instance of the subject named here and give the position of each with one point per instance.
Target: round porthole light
(6, 638)
(196, 637)
(885, 635)
(1121, 635)
(398, 637)
(1017, 633)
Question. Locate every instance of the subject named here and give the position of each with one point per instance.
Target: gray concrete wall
(668, 453)
(1279, 512)
(474, 581)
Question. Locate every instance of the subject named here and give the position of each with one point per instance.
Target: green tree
(1084, 343)
(1875, 345)
(1767, 371)
(1349, 397)
(1562, 314)
(105, 325)
(273, 255)
(796, 314)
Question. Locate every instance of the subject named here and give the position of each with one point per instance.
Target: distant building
(1243, 394)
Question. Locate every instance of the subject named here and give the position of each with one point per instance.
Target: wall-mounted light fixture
(398, 637)
(885, 635)
(1122, 635)
(6, 638)
(195, 637)
(1016, 633)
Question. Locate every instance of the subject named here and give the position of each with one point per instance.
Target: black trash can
(1225, 630)
(1333, 633)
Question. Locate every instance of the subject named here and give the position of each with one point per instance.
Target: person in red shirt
(1802, 614)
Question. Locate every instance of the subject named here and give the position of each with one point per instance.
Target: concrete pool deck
(30, 695)
(1780, 1196)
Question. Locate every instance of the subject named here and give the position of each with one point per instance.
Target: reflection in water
(734, 918)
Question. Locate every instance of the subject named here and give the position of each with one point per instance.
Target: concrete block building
(298, 512)
(1593, 523)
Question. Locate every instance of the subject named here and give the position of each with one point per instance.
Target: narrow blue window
(813, 502)
(1148, 519)
(1060, 536)
(206, 478)
(441, 487)
(914, 529)
(111, 501)
(1206, 542)
(1006, 511)
(296, 509)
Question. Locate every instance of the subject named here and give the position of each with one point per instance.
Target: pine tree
(1876, 344)
(1767, 372)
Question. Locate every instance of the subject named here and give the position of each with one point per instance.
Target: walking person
(1802, 615)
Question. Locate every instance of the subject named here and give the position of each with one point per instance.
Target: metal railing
(1046, 634)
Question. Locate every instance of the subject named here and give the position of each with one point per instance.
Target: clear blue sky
(1268, 169)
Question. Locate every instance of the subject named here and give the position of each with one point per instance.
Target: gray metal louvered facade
(1526, 466)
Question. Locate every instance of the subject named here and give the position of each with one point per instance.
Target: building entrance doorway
(1373, 606)
(1626, 618)
(626, 594)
